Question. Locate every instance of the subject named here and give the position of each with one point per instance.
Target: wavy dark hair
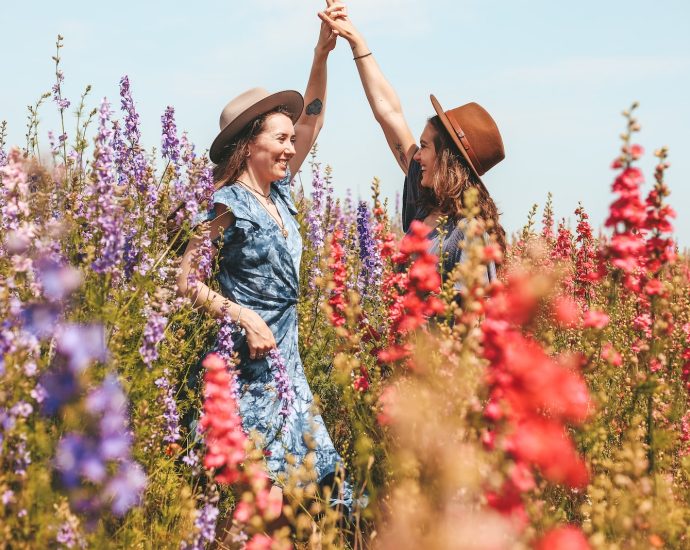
(234, 160)
(451, 177)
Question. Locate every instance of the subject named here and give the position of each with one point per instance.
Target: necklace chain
(278, 220)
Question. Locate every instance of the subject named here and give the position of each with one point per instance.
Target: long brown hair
(234, 160)
(451, 177)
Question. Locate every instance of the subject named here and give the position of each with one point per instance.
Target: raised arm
(382, 98)
(309, 124)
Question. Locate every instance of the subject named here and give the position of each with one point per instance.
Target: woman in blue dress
(456, 148)
(263, 140)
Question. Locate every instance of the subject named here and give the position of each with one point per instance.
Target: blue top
(453, 228)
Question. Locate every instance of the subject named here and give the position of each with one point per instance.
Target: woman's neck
(249, 178)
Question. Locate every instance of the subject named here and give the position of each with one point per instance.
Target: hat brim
(291, 99)
(451, 131)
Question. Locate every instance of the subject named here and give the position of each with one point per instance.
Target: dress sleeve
(411, 190)
(235, 199)
(283, 189)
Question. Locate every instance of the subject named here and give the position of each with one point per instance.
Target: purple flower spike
(284, 388)
(82, 344)
(372, 265)
(126, 488)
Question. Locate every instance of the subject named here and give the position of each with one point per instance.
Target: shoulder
(234, 197)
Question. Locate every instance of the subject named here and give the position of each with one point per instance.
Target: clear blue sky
(555, 75)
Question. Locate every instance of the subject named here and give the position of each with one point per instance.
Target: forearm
(381, 96)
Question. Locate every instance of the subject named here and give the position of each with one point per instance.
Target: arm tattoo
(401, 154)
(314, 108)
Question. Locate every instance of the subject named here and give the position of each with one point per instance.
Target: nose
(290, 149)
(417, 155)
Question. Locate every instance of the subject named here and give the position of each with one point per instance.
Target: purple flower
(205, 526)
(60, 101)
(68, 535)
(57, 280)
(82, 344)
(40, 319)
(104, 212)
(170, 414)
(131, 117)
(170, 145)
(154, 329)
(372, 265)
(284, 388)
(314, 221)
(7, 497)
(77, 458)
(126, 488)
(60, 386)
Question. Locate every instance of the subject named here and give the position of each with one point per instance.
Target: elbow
(384, 115)
(182, 286)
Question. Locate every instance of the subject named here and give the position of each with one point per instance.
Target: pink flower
(567, 311)
(596, 319)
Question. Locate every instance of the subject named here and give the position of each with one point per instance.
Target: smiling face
(272, 149)
(426, 154)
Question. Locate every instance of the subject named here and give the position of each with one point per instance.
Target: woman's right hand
(260, 339)
(335, 15)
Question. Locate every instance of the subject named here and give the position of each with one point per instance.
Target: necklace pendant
(284, 232)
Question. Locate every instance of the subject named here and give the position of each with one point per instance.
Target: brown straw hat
(247, 106)
(475, 133)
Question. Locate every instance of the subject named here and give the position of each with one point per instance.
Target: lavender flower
(284, 388)
(3, 135)
(105, 213)
(126, 488)
(156, 321)
(81, 344)
(15, 192)
(170, 414)
(131, 117)
(372, 265)
(86, 456)
(205, 526)
(60, 101)
(68, 534)
(170, 145)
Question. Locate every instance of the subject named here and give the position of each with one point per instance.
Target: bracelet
(361, 56)
(239, 316)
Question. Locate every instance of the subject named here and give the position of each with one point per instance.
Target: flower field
(546, 410)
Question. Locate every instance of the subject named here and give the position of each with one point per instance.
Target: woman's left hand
(327, 37)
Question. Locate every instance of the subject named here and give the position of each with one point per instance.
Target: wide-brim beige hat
(474, 133)
(246, 107)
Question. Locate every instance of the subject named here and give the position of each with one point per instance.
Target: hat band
(466, 145)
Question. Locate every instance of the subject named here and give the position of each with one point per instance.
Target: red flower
(563, 538)
(221, 423)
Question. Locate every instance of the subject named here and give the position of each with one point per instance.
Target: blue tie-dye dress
(259, 269)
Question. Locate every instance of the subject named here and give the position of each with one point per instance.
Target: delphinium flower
(547, 220)
(531, 396)
(314, 221)
(87, 456)
(204, 526)
(170, 414)
(154, 330)
(15, 192)
(372, 268)
(3, 153)
(284, 390)
(627, 214)
(202, 259)
(586, 268)
(104, 213)
(221, 423)
(196, 190)
(338, 270)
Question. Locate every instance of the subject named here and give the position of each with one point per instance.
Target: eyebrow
(280, 134)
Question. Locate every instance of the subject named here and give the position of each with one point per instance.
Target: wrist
(358, 45)
(321, 54)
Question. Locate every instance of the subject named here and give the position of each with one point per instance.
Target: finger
(326, 19)
(330, 2)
